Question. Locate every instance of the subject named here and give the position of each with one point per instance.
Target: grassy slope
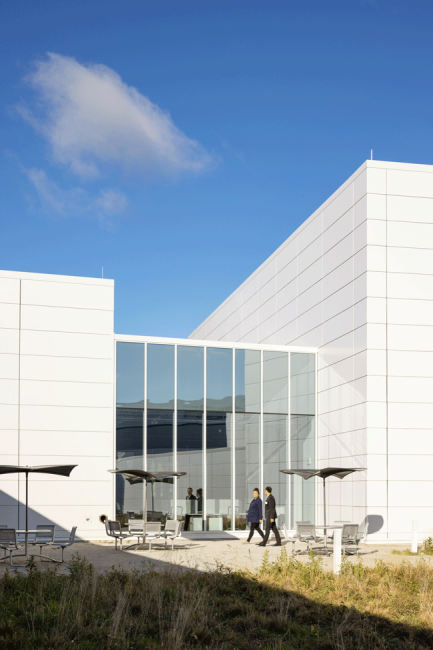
(283, 605)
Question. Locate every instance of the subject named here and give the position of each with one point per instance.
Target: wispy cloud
(77, 202)
(90, 117)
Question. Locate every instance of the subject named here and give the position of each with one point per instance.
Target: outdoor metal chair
(43, 539)
(8, 542)
(337, 523)
(302, 523)
(135, 529)
(292, 539)
(307, 535)
(173, 529)
(151, 530)
(114, 529)
(65, 542)
(361, 537)
(349, 539)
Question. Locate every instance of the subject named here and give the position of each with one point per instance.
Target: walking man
(270, 515)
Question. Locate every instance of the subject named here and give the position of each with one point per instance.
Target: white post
(336, 558)
(414, 548)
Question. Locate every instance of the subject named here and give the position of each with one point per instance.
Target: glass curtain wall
(129, 427)
(247, 427)
(302, 435)
(275, 429)
(160, 427)
(222, 416)
(219, 436)
(190, 436)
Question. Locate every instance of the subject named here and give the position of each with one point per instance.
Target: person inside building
(270, 516)
(255, 515)
(190, 506)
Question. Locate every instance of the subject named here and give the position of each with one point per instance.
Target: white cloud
(77, 202)
(91, 117)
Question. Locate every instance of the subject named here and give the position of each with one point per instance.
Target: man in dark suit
(270, 515)
(190, 507)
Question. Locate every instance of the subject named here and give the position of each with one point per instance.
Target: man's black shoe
(276, 544)
(261, 544)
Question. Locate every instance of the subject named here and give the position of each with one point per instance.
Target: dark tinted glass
(219, 506)
(129, 433)
(190, 460)
(247, 464)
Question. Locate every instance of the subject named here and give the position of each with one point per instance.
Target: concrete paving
(202, 555)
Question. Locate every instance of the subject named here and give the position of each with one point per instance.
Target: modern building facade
(324, 356)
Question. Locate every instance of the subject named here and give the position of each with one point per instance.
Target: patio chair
(114, 529)
(172, 530)
(293, 540)
(337, 523)
(43, 539)
(135, 529)
(8, 542)
(349, 539)
(307, 535)
(151, 530)
(302, 523)
(361, 537)
(65, 542)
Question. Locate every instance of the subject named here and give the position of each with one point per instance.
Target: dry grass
(286, 604)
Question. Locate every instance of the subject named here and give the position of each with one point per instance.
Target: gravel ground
(202, 555)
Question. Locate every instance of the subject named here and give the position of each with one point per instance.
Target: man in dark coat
(190, 507)
(270, 515)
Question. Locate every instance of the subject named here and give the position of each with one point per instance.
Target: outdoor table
(325, 530)
(26, 533)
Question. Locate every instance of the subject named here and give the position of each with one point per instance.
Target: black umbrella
(60, 470)
(339, 472)
(138, 475)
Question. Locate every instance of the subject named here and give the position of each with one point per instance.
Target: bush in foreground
(285, 604)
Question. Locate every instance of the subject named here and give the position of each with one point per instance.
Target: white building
(351, 291)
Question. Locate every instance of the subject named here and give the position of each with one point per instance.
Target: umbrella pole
(324, 503)
(27, 501)
(145, 502)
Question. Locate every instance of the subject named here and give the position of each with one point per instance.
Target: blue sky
(179, 144)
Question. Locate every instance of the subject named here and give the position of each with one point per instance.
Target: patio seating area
(43, 536)
(149, 532)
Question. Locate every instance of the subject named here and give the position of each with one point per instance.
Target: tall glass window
(219, 433)
(247, 431)
(190, 434)
(275, 429)
(302, 434)
(129, 427)
(160, 418)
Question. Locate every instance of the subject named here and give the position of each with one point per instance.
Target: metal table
(26, 533)
(325, 530)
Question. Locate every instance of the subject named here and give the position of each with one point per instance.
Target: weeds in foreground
(425, 549)
(284, 604)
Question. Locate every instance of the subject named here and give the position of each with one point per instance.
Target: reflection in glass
(190, 460)
(160, 376)
(190, 378)
(275, 383)
(129, 455)
(130, 374)
(219, 379)
(302, 434)
(275, 457)
(302, 451)
(302, 383)
(247, 464)
(247, 381)
(219, 470)
(160, 458)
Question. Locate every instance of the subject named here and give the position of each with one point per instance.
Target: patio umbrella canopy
(59, 470)
(137, 475)
(339, 472)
